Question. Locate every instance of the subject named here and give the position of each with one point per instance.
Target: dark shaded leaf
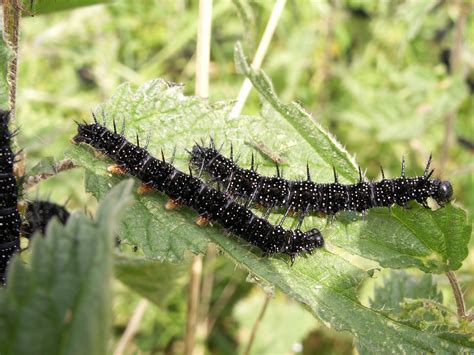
(60, 302)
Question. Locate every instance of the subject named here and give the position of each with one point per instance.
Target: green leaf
(154, 280)
(247, 16)
(432, 241)
(40, 7)
(325, 282)
(160, 110)
(162, 235)
(398, 286)
(416, 301)
(60, 302)
(44, 166)
(327, 285)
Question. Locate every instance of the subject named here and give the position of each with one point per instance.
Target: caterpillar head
(198, 155)
(314, 239)
(302, 242)
(39, 213)
(443, 192)
(84, 134)
(87, 133)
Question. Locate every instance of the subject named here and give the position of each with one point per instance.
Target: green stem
(256, 325)
(458, 296)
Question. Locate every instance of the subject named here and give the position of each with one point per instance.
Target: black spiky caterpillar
(9, 216)
(184, 189)
(308, 196)
(38, 214)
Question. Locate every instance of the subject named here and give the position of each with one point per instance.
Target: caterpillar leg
(301, 217)
(425, 205)
(330, 219)
(202, 221)
(172, 204)
(98, 154)
(117, 169)
(292, 259)
(145, 188)
(21, 206)
(293, 212)
(266, 213)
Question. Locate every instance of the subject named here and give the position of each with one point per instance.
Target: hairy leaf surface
(325, 282)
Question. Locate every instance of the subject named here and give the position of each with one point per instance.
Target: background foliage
(372, 73)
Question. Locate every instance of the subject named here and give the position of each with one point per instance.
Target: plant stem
(323, 75)
(60, 166)
(203, 52)
(259, 55)
(132, 327)
(202, 330)
(256, 325)
(11, 28)
(11, 24)
(221, 303)
(457, 294)
(203, 48)
(193, 304)
(456, 66)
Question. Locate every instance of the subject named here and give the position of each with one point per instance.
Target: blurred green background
(378, 74)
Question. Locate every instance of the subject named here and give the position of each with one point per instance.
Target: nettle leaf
(416, 301)
(327, 285)
(60, 302)
(39, 7)
(325, 282)
(159, 110)
(433, 241)
(162, 235)
(44, 166)
(398, 286)
(154, 280)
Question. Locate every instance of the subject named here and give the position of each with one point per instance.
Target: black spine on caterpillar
(306, 195)
(9, 216)
(39, 213)
(191, 191)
